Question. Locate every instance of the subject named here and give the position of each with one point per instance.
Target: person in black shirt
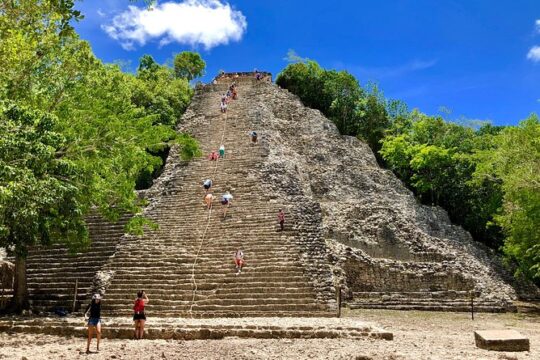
(94, 321)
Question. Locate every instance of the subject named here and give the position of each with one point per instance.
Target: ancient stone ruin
(350, 225)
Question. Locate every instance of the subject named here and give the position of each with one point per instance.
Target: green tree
(436, 159)
(38, 200)
(72, 135)
(156, 89)
(189, 65)
(305, 80)
(339, 100)
(373, 118)
(515, 161)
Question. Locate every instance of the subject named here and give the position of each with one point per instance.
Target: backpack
(139, 306)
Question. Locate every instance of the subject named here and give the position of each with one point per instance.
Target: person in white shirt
(226, 201)
(239, 261)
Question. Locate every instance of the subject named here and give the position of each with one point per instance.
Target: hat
(96, 297)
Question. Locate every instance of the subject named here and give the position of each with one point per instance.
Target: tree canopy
(75, 134)
(514, 161)
(189, 65)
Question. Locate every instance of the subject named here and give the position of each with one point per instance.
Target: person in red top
(139, 318)
(213, 155)
(281, 218)
(239, 261)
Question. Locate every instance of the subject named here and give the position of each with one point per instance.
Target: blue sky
(478, 58)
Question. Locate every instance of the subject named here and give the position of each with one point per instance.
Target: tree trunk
(20, 290)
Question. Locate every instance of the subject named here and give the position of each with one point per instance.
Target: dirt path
(417, 335)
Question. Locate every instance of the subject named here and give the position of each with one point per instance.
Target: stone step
(224, 292)
(458, 306)
(188, 296)
(258, 307)
(450, 294)
(239, 301)
(194, 329)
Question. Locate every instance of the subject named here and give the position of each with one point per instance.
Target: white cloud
(101, 13)
(534, 54)
(193, 22)
(537, 26)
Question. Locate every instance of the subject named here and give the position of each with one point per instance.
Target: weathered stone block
(501, 340)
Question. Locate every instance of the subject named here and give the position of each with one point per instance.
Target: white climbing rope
(193, 280)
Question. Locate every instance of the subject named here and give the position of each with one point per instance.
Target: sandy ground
(417, 335)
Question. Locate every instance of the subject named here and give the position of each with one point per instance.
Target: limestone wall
(395, 244)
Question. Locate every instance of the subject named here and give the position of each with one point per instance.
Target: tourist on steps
(213, 155)
(139, 318)
(253, 135)
(233, 92)
(281, 219)
(239, 261)
(226, 201)
(208, 199)
(207, 184)
(222, 151)
(94, 321)
(223, 106)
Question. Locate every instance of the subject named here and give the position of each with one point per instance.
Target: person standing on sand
(94, 321)
(139, 318)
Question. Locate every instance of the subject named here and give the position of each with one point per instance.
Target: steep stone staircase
(186, 266)
(53, 272)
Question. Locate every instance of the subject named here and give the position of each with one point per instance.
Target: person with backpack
(139, 318)
(94, 321)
